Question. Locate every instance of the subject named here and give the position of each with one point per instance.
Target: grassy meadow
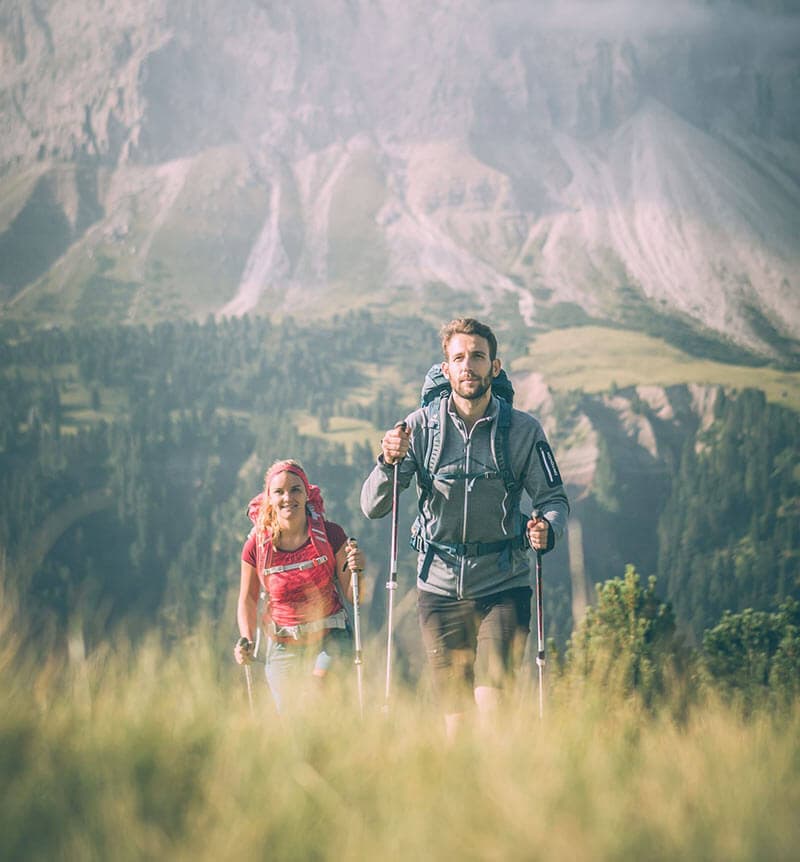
(594, 358)
(152, 755)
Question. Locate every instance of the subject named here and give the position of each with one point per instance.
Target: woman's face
(287, 496)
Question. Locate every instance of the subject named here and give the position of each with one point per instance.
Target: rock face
(619, 456)
(588, 157)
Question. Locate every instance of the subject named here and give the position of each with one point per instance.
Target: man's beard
(484, 383)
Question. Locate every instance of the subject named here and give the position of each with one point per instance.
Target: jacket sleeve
(545, 485)
(376, 492)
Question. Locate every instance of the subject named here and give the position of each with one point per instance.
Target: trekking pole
(357, 633)
(248, 673)
(391, 584)
(540, 658)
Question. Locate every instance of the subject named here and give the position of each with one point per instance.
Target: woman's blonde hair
(267, 522)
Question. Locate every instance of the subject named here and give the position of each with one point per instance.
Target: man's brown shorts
(473, 642)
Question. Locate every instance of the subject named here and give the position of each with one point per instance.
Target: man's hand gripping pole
(540, 656)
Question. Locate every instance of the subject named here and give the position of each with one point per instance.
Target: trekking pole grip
(540, 656)
(402, 426)
(395, 498)
(247, 646)
(353, 543)
(355, 575)
(357, 658)
(354, 580)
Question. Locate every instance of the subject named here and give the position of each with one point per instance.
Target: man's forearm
(376, 492)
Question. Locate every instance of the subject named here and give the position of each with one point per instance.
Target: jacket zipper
(460, 584)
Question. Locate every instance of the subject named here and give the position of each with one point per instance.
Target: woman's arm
(247, 607)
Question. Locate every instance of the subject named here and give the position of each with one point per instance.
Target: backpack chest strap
(299, 567)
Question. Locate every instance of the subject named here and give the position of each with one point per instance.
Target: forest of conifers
(128, 455)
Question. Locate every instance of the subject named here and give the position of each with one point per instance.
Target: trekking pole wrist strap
(551, 536)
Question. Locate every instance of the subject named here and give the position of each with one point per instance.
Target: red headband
(313, 491)
(285, 467)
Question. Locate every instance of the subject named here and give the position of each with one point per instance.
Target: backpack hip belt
(334, 621)
(462, 551)
(467, 549)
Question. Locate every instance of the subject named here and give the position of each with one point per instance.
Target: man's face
(468, 366)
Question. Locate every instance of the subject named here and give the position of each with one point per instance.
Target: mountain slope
(193, 159)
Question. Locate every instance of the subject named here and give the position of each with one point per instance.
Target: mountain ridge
(563, 155)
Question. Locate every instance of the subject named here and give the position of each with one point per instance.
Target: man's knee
(487, 698)
(492, 664)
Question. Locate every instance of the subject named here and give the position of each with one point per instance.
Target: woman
(304, 565)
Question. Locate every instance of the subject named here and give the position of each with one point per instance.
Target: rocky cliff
(585, 158)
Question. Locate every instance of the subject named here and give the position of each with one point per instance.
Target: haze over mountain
(175, 158)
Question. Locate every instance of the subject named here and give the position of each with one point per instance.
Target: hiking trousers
(296, 671)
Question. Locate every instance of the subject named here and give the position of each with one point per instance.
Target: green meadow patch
(595, 359)
(345, 431)
(84, 407)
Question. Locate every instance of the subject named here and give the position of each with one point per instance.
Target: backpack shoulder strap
(502, 448)
(434, 426)
(323, 548)
(319, 537)
(263, 557)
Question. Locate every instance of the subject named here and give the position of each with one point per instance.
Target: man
(473, 571)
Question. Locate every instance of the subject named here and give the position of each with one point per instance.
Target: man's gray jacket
(469, 509)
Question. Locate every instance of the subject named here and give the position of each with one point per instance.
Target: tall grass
(155, 755)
